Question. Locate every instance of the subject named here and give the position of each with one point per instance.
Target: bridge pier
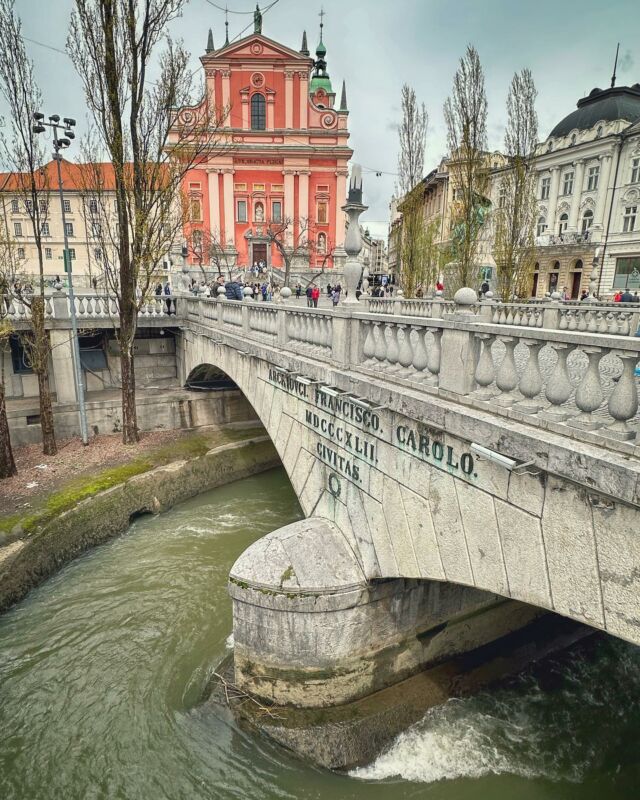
(311, 632)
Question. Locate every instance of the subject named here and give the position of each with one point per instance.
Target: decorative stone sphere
(247, 291)
(488, 295)
(285, 292)
(439, 292)
(465, 296)
(556, 296)
(399, 293)
(221, 291)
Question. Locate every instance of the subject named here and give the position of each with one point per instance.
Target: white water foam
(229, 642)
(463, 739)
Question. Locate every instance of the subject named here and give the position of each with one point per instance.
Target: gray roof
(621, 102)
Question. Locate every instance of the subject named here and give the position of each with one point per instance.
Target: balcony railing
(551, 239)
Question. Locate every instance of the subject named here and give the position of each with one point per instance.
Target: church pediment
(257, 46)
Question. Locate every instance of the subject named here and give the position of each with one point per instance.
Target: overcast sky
(377, 45)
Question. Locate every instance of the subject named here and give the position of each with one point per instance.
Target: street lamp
(61, 143)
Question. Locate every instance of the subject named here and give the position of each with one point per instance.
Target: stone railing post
(486, 307)
(281, 326)
(437, 305)
(345, 344)
(245, 319)
(551, 313)
(459, 347)
(60, 301)
(398, 306)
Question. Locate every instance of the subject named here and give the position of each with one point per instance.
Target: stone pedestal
(62, 358)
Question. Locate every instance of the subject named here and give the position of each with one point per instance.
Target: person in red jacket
(315, 296)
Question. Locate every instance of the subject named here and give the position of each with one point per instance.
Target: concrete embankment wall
(28, 562)
(161, 410)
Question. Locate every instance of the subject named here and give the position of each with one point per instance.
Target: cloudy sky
(377, 45)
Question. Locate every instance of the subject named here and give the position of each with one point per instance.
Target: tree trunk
(40, 364)
(130, 433)
(7, 464)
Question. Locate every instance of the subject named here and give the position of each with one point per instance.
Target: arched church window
(564, 221)
(322, 243)
(542, 226)
(587, 220)
(258, 112)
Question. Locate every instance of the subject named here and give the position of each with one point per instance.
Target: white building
(589, 196)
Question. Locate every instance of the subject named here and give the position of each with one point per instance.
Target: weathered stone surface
(526, 491)
(445, 514)
(567, 529)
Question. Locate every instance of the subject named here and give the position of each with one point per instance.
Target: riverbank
(75, 512)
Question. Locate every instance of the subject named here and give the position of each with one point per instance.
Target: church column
(603, 191)
(289, 212)
(553, 200)
(271, 117)
(577, 194)
(229, 216)
(226, 94)
(304, 98)
(341, 192)
(214, 205)
(303, 194)
(288, 99)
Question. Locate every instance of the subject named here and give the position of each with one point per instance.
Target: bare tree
(412, 133)
(465, 113)
(8, 277)
(23, 151)
(206, 247)
(515, 214)
(115, 44)
(293, 239)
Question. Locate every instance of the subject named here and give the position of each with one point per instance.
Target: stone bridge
(447, 457)
(462, 467)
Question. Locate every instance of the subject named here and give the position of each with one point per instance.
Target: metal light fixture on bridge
(497, 458)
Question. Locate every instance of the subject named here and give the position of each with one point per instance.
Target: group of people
(626, 297)
(312, 293)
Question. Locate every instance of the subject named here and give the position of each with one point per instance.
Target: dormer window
(574, 139)
(599, 132)
(549, 147)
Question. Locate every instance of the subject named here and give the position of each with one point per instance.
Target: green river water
(103, 668)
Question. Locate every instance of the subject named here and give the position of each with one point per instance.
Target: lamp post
(59, 144)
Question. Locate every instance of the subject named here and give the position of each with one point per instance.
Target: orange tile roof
(75, 177)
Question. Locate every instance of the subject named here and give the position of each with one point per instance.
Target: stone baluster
(531, 381)
(623, 400)
(485, 373)
(592, 324)
(393, 349)
(420, 359)
(434, 355)
(589, 394)
(291, 325)
(558, 389)
(507, 374)
(602, 322)
(381, 344)
(405, 354)
(369, 345)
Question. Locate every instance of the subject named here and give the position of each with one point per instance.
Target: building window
(17, 229)
(277, 188)
(502, 196)
(599, 132)
(196, 240)
(93, 206)
(574, 139)
(629, 219)
(240, 187)
(545, 188)
(258, 113)
(44, 229)
(549, 147)
(48, 253)
(322, 215)
(322, 243)
(96, 229)
(72, 253)
(98, 254)
(564, 221)
(19, 359)
(258, 187)
(67, 206)
(196, 210)
(44, 206)
(21, 252)
(627, 273)
(635, 170)
(28, 206)
(68, 228)
(195, 186)
(568, 183)
(594, 177)
(587, 220)
(14, 206)
(241, 211)
(258, 212)
(276, 211)
(542, 226)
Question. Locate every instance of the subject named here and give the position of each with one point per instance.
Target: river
(102, 670)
